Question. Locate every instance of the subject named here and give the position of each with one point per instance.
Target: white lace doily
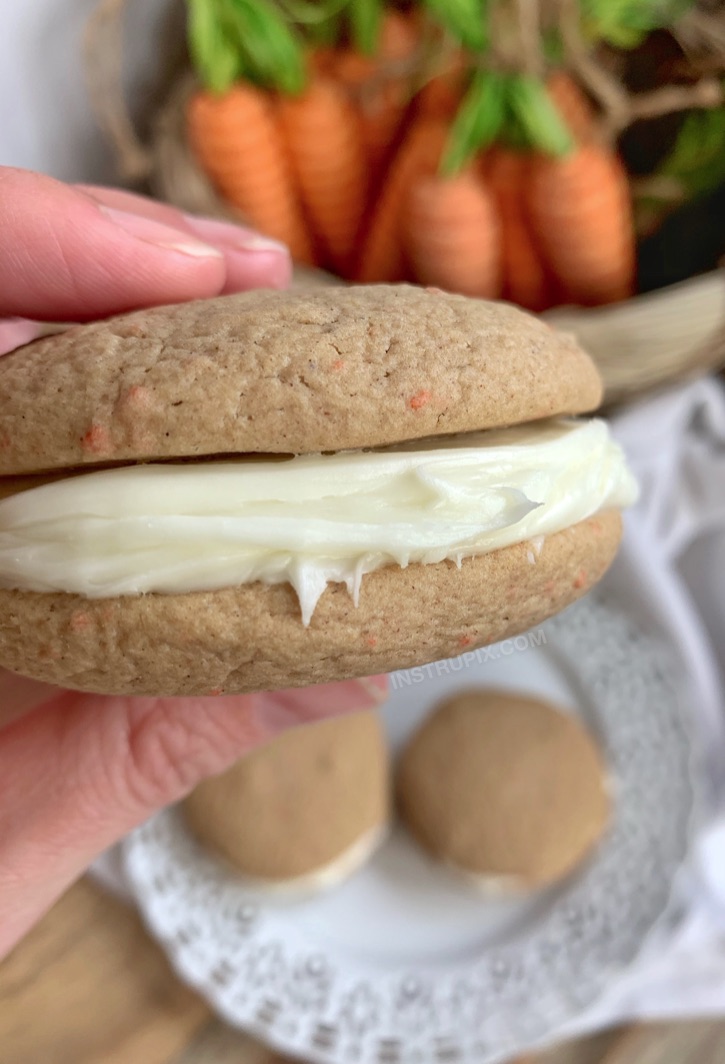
(403, 964)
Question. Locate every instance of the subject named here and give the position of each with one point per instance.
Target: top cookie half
(286, 372)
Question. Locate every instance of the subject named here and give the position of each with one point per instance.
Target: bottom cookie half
(251, 638)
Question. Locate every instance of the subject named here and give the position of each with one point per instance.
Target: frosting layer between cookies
(308, 520)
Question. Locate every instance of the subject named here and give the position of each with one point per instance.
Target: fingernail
(253, 269)
(162, 236)
(229, 235)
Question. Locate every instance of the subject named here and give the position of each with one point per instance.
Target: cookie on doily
(504, 788)
(302, 812)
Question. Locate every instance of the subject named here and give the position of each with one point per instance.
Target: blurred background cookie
(305, 810)
(505, 788)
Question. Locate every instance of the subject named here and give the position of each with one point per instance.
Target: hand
(79, 771)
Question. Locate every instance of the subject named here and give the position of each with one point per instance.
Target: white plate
(406, 964)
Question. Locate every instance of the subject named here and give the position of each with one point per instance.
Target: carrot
(398, 40)
(441, 96)
(383, 256)
(238, 143)
(580, 210)
(453, 234)
(382, 99)
(399, 36)
(322, 60)
(524, 277)
(573, 106)
(323, 135)
(353, 69)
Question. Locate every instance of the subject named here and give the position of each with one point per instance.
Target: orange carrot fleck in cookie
(79, 621)
(465, 641)
(420, 399)
(338, 363)
(581, 578)
(96, 440)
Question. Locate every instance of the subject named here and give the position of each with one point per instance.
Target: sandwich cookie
(285, 488)
(505, 789)
(302, 812)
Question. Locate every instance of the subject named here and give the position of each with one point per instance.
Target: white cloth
(669, 574)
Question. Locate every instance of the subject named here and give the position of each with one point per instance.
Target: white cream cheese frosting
(311, 519)
(327, 877)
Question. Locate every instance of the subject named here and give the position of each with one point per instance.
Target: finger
(249, 260)
(14, 332)
(252, 261)
(65, 257)
(284, 709)
(82, 770)
(133, 203)
(19, 695)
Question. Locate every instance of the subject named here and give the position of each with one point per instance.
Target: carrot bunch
(488, 184)
(303, 166)
(228, 131)
(535, 228)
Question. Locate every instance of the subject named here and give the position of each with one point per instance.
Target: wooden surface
(89, 987)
